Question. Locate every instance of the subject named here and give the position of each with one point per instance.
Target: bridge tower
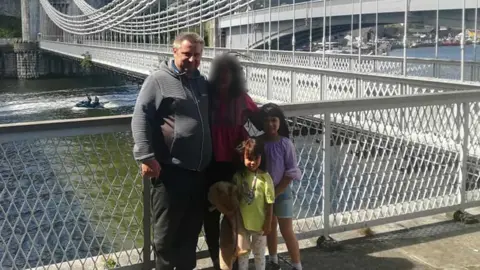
(25, 13)
(27, 52)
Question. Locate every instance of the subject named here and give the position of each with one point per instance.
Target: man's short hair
(194, 38)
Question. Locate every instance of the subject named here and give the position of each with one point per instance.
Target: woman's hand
(267, 227)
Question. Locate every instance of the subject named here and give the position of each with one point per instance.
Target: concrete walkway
(435, 242)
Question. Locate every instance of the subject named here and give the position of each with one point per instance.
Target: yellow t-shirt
(253, 214)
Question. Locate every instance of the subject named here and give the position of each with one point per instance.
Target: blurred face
(225, 81)
(271, 126)
(187, 57)
(252, 163)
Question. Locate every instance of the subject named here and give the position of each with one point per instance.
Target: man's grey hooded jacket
(170, 120)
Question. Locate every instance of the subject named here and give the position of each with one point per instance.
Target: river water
(81, 196)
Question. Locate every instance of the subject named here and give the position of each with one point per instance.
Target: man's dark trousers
(177, 209)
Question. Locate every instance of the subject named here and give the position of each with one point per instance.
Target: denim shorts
(283, 207)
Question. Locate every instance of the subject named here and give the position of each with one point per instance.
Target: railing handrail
(298, 53)
(121, 123)
(377, 76)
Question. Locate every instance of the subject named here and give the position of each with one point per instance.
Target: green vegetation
(110, 264)
(10, 27)
(86, 62)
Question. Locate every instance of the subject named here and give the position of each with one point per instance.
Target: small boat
(92, 105)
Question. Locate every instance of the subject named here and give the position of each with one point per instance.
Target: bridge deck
(430, 243)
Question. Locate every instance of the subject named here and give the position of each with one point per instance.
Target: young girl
(256, 206)
(281, 162)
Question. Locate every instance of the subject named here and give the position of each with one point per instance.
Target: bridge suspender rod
(475, 35)
(351, 27)
(293, 34)
(436, 31)
(248, 28)
(462, 45)
(214, 31)
(311, 25)
(324, 29)
(330, 26)
(376, 28)
(230, 29)
(270, 30)
(278, 25)
(360, 39)
(405, 32)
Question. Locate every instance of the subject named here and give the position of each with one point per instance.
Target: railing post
(464, 155)
(146, 224)
(327, 180)
(269, 84)
(293, 91)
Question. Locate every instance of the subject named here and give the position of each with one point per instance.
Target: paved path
(435, 242)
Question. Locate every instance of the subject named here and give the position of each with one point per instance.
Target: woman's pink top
(228, 120)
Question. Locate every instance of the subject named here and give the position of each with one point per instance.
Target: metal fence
(274, 82)
(71, 195)
(369, 64)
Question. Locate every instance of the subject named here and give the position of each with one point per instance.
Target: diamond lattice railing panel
(340, 88)
(473, 168)
(393, 162)
(285, 59)
(422, 69)
(257, 82)
(340, 63)
(364, 65)
(259, 56)
(452, 72)
(372, 89)
(414, 90)
(389, 67)
(65, 199)
(319, 61)
(282, 85)
(307, 136)
(309, 86)
(302, 60)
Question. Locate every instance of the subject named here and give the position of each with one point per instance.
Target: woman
(230, 109)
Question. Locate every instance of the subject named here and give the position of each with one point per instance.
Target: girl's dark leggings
(217, 171)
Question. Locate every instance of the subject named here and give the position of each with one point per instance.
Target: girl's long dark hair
(227, 62)
(273, 110)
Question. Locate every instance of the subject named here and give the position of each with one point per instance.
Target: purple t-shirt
(281, 160)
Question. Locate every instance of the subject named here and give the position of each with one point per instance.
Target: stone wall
(26, 61)
(8, 62)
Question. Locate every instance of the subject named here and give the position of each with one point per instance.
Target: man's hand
(151, 168)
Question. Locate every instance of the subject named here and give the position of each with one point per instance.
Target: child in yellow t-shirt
(256, 206)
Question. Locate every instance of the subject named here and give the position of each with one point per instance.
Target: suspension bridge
(380, 139)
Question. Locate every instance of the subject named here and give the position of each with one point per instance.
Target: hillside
(10, 27)
(10, 8)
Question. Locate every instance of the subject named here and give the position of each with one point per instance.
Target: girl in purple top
(281, 164)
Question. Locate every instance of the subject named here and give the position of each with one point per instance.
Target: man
(89, 100)
(171, 132)
(96, 102)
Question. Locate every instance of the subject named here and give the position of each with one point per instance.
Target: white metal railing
(72, 195)
(291, 83)
(389, 65)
